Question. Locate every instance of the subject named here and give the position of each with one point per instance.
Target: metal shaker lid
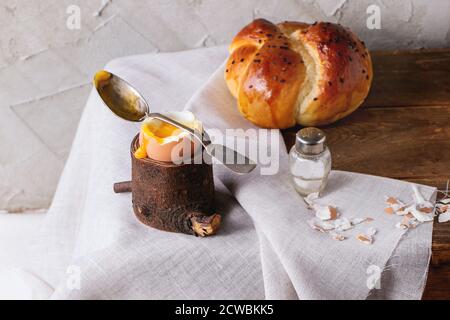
(310, 141)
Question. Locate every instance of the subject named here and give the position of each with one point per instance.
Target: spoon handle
(231, 159)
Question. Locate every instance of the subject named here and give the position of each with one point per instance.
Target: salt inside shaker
(310, 161)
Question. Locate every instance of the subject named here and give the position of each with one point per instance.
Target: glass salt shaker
(310, 161)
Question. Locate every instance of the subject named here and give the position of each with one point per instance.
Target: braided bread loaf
(292, 72)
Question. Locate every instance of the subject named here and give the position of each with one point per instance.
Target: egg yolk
(141, 152)
(157, 132)
(101, 76)
(163, 131)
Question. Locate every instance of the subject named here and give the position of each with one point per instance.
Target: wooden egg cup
(172, 197)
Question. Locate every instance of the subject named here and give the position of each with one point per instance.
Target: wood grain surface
(403, 131)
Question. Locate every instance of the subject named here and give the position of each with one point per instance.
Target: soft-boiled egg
(162, 141)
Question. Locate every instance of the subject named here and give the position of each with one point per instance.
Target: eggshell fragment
(364, 239)
(337, 236)
(422, 217)
(356, 221)
(325, 212)
(401, 225)
(444, 217)
(321, 225)
(310, 198)
(425, 210)
(402, 211)
(371, 232)
(394, 203)
(315, 226)
(395, 206)
(442, 208)
(342, 224)
(391, 200)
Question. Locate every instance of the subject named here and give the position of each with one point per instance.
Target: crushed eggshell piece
(320, 224)
(337, 236)
(369, 219)
(325, 212)
(316, 226)
(400, 225)
(444, 217)
(422, 217)
(371, 232)
(333, 213)
(364, 238)
(367, 238)
(408, 221)
(310, 198)
(442, 208)
(413, 223)
(325, 227)
(394, 203)
(425, 210)
(391, 200)
(322, 212)
(356, 221)
(422, 204)
(328, 225)
(402, 211)
(405, 222)
(342, 224)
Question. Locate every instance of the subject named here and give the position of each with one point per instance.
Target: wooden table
(403, 131)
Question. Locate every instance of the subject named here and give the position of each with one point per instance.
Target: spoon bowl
(120, 97)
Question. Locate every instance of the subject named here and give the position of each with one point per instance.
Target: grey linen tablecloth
(265, 248)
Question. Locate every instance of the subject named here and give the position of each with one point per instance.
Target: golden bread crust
(297, 73)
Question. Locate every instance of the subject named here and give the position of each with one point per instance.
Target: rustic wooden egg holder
(172, 197)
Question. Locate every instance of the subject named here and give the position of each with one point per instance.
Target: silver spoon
(127, 103)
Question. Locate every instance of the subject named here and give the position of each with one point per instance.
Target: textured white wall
(45, 68)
